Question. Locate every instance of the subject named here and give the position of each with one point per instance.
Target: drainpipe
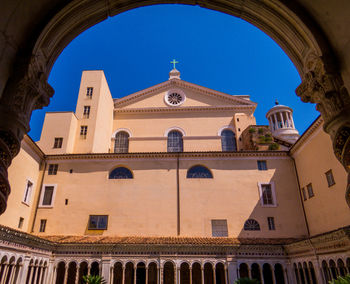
(178, 193)
(38, 199)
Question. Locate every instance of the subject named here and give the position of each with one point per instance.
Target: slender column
(249, 272)
(111, 273)
(190, 274)
(43, 281)
(285, 276)
(261, 275)
(22, 275)
(65, 274)
(89, 269)
(13, 273)
(4, 275)
(41, 270)
(276, 121)
(282, 120)
(146, 275)
(100, 269)
(214, 274)
(54, 275)
(31, 273)
(273, 275)
(16, 274)
(77, 274)
(135, 268)
(202, 271)
(36, 272)
(175, 274)
(318, 273)
(309, 273)
(291, 118)
(225, 270)
(123, 275)
(161, 275)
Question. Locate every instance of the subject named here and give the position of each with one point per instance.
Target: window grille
(199, 172)
(27, 192)
(267, 194)
(175, 141)
(98, 222)
(42, 225)
(219, 228)
(86, 113)
(121, 144)
(48, 194)
(262, 166)
(89, 91)
(330, 178)
(53, 169)
(58, 142)
(228, 141)
(83, 131)
(120, 173)
(310, 190)
(251, 225)
(271, 223)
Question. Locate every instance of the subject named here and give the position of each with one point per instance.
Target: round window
(174, 97)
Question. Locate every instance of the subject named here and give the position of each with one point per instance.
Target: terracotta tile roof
(165, 240)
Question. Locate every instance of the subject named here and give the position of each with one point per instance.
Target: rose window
(174, 98)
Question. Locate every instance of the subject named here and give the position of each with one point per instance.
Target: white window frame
(42, 196)
(273, 194)
(29, 195)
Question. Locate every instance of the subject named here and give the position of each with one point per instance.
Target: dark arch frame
(121, 172)
(199, 171)
(251, 225)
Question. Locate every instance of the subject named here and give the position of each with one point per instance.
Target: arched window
(120, 173)
(251, 225)
(121, 144)
(175, 143)
(199, 172)
(228, 141)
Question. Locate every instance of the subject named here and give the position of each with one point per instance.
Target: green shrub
(268, 139)
(267, 135)
(341, 280)
(94, 279)
(274, 146)
(252, 130)
(246, 281)
(261, 130)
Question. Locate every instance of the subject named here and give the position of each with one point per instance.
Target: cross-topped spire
(174, 62)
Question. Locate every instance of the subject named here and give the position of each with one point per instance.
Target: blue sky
(214, 50)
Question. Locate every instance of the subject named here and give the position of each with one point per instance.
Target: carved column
(65, 274)
(77, 274)
(26, 90)
(323, 85)
(146, 281)
(123, 275)
(202, 270)
(190, 274)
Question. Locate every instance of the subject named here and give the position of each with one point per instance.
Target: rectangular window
(310, 191)
(42, 225)
(262, 166)
(58, 142)
(303, 191)
(330, 178)
(20, 223)
(53, 169)
(47, 196)
(219, 228)
(86, 113)
(98, 222)
(28, 192)
(271, 223)
(267, 197)
(89, 91)
(83, 131)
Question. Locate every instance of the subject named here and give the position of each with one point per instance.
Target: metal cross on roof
(174, 62)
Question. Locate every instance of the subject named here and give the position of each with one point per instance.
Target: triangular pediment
(195, 96)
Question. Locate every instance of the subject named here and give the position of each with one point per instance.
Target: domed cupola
(281, 123)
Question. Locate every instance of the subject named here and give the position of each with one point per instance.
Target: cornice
(181, 83)
(167, 155)
(33, 145)
(308, 132)
(191, 109)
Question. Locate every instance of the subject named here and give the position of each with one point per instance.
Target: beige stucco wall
(25, 166)
(146, 205)
(327, 210)
(58, 124)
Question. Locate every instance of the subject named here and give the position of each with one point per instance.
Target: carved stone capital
(25, 91)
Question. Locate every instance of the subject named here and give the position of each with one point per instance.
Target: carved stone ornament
(25, 91)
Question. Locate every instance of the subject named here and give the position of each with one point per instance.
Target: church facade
(174, 184)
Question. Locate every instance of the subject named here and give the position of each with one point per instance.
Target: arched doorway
(169, 273)
(152, 273)
(220, 273)
(83, 271)
(208, 273)
(72, 271)
(184, 273)
(95, 268)
(256, 274)
(129, 273)
(267, 273)
(279, 274)
(61, 267)
(140, 273)
(333, 269)
(341, 267)
(196, 273)
(117, 273)
(243, 270)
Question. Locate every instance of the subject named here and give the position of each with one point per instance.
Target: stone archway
(45, 32)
